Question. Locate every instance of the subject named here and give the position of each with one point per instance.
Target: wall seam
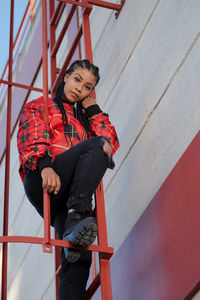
(133, 49)
(49, 285)
(155, 107)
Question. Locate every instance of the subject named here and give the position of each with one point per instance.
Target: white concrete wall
(197, 296)
(149, 59)
(150, 72)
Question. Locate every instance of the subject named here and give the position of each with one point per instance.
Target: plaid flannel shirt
(35, 140)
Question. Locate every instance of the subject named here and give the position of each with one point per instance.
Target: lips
(74, 95)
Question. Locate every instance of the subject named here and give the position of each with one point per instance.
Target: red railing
(105, 252)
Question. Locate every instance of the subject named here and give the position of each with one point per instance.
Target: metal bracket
(47, 248)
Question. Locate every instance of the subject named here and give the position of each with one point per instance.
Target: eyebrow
(82, 78)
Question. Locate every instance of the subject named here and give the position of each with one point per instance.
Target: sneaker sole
(84, 235)
(72, 255)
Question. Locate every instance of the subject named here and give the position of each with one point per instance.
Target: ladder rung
(93, 286)
(55, 14)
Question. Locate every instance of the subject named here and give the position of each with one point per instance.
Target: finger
(53, 185)
(49, 184)
(58, 186)
(44, 182)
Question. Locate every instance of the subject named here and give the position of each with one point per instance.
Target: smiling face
(78, 85)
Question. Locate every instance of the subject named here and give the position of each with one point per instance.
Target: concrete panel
(159, 260)
(26, 223)
(37, 272)
(118, 41)
(98, 20)
(155, 48)
(50, 292)
(137, 96)
(166, 135)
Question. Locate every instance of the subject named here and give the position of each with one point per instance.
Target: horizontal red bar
(103, 4)
(74, 2)
(107, 252)
(28, 87)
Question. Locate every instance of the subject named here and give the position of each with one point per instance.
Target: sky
(19, 10)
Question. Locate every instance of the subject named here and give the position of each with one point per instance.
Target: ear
(66, 77)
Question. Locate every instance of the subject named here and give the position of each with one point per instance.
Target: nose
(79, 87)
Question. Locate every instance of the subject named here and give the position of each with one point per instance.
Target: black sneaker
(81, 230)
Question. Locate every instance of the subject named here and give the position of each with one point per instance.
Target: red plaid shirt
(34, 140)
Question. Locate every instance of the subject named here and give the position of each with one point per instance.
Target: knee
(107, 148)
(104, 145)
(101, 145)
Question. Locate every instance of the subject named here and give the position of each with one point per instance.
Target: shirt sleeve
(100, 124)
(33, 138)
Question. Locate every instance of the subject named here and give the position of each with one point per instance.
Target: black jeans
(81, 169)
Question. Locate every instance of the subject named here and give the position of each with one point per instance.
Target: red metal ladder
(105, 252)
(103, 277)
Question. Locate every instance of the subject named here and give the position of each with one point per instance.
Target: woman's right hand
(50, 180)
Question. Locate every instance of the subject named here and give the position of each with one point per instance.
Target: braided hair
(60, 96)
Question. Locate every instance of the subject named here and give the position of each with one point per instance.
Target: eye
(88, 88)
(76, 79)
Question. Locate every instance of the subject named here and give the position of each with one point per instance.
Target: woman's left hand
(88, 102)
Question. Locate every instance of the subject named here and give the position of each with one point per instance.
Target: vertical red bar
(53, 78)
(87, 38)
(57, 265)
(7, 166)
(106, 288)
(46, 199)
(87, 35)
(52, 43)
(79, 44)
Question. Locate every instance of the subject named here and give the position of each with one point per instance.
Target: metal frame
(105, 252)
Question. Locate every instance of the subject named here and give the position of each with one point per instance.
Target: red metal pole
(19, 85)
(7, 166)
(87, 34)
(68, 59)
(106, 288)
(88, 55)
(57, 265)
(52, 43)
(53, 78)
(55, 13)
(47, 247)
(104, 4)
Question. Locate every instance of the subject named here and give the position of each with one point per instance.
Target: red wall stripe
(160, 258)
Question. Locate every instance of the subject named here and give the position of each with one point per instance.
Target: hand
(88, 102)
(50, 180)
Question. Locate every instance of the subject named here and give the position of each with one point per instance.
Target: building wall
(149, 63)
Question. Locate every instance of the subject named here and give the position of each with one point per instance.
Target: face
(78, 85)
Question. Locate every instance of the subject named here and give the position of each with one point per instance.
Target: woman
(68, 159)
